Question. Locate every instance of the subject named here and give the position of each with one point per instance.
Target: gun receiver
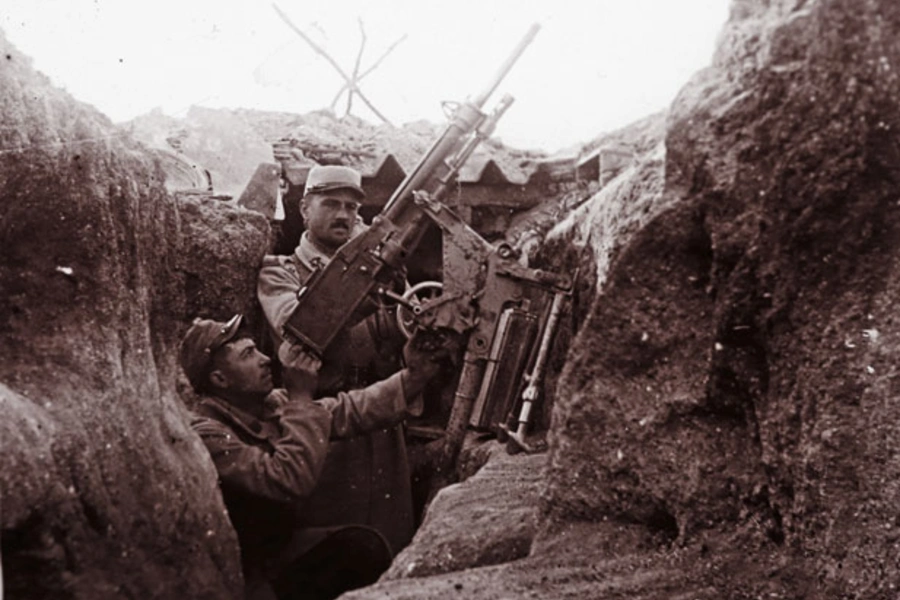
(334, 296)
(500, 308)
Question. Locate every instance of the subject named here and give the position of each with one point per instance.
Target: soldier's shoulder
(207, 426)
(277, 260)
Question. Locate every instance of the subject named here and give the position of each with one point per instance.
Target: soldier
(269, 448)
(370, 474)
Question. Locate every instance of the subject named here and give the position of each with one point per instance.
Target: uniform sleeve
(377, 406)
(286, 475)
(277, 289)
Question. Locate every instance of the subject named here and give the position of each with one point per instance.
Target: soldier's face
(242, 369)
(330, 217)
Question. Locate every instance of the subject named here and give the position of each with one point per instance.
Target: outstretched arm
(387, 402)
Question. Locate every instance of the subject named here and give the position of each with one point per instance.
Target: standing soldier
(366, 479)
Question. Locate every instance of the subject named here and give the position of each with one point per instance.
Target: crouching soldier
(269, 445)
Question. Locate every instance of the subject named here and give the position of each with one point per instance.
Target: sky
(594, 66)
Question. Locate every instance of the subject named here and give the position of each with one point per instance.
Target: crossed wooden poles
(351, 82)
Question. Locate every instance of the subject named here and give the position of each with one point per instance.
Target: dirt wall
(732, 384)
(106, 493)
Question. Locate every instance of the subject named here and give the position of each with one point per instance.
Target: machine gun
(491, 300)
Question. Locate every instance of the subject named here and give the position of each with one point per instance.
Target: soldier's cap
(325, 178)
(201, 342)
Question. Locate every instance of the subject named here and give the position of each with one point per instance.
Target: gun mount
(499, 306)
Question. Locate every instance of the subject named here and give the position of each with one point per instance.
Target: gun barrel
(505, 68)
(435, 171)
(331, 297)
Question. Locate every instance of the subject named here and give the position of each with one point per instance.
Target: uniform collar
(310, 255)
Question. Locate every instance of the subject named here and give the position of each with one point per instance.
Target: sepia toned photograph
(410, 300)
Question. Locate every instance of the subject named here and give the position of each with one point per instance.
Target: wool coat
(365, 480)
(269, 467)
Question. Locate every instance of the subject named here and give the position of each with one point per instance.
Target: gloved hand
(424, 354)
(301, 370)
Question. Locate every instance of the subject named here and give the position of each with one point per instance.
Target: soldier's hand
(424, 355)
(301, 369)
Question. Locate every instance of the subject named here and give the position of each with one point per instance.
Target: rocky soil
(230, 144)
(725, 422)
(106, 493)
(218, 141)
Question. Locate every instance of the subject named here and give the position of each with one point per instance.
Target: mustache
(340, 223)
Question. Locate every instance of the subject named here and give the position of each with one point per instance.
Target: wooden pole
(350, 83)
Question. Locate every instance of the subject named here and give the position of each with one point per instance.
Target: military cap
(201, 341)
(325, 178)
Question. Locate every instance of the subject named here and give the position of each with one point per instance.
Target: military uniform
(365, 480)
(269, 467)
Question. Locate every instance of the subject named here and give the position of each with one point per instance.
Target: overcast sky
(595, 65)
